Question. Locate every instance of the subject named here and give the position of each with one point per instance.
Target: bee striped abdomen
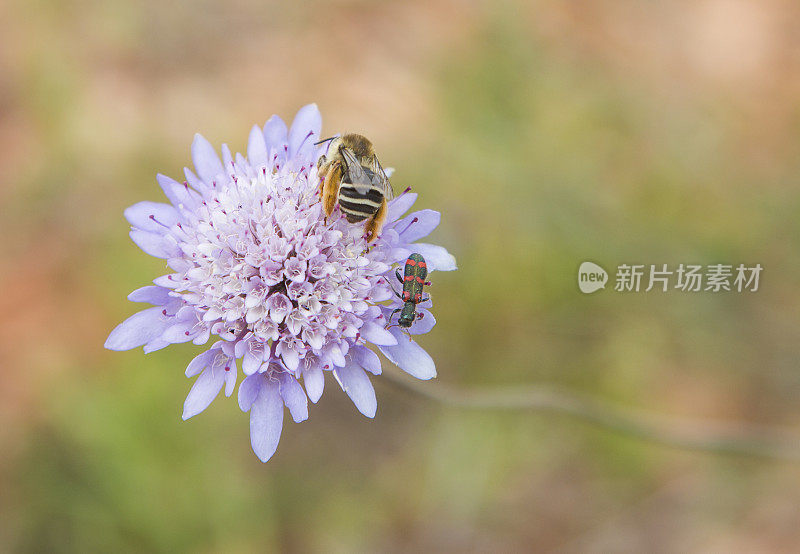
(358, 207)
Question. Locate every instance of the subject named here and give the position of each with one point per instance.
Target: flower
(255, 265)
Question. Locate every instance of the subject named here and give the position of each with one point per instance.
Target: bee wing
(380, 180)
(357, 176)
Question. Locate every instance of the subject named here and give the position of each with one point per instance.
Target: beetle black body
(413, 279)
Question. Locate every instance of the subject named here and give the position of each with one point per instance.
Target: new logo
(591, 277)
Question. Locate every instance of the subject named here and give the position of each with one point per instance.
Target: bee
(353, 177)
(413, 279)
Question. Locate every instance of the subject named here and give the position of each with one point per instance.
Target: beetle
(413, 279)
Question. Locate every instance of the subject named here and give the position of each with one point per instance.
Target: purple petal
(400, 205)
(305, 128)
(171, 280)
(226, 347)
(230, 376)
(437, 258)
(152, 216)
(305, 156)
(139, 329)
(294, 397)
(409, 356)
(194, 181)
(334, 352)
(227, 158)
(314, 380)
(248, 390)
(204, 391)
(200, 362)
(158, 296)
(241, 346)
(266, 420)
(155, 344)
(422, 324)
(355, 383)
(376, 334)
(251, 362)
(426, 221)
(275, 133)
(178, 193)
(180, 265)
(205, 159)
(380, 294)
(179, 333)
(399, 254)
(257, 148)
(154, 244)
(290, 358)
(367, 359)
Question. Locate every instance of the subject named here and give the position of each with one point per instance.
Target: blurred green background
(547, 133)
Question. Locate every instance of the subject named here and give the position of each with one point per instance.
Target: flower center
(265, 265)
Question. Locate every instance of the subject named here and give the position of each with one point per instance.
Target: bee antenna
(324, 140)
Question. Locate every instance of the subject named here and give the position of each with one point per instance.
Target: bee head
(333, 146)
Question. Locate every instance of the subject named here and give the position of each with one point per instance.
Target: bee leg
(322, 171)
(375, 223)
(329, 188)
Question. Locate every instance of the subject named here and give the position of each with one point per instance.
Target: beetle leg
(397, 294)
(391, 316)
